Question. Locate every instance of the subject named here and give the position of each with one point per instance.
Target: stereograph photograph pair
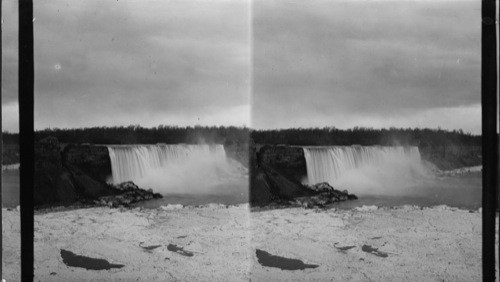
(249, 140)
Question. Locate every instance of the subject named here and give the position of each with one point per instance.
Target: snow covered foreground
(412, 244)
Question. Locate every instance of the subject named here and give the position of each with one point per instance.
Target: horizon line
(259, 129)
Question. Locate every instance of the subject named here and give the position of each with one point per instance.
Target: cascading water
(364, 169)
(178, 169)
(131, 162)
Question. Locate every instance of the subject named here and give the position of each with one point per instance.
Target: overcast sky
(315, 63)
(9, 66)
(367, 63)
(109, 62)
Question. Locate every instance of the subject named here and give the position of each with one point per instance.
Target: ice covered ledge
(370, 243)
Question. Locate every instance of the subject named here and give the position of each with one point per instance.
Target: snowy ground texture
(413, 244)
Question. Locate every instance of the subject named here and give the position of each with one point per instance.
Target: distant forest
(365, 136)
(239, 135)
(134, 134)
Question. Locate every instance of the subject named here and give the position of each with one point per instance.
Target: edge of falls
(132, 162)
(331, 163)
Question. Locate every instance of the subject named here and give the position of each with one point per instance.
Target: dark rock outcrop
(263, 190)
(127, 194)
(87, 186)
(68, 177)
(57, 182)
(53, 183)
(93, 160)
(326, 195)
(267, 186)
(287, 160)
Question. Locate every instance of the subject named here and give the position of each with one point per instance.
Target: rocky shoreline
(323, 195)
(129, 193)
(125, 195)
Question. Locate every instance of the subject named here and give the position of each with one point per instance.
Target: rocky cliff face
(276, 173)
(287, 160)
(58, 181)
(92, 159)
(52, 183)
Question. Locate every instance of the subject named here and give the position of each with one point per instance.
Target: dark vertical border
(26, 135)
(489, 134)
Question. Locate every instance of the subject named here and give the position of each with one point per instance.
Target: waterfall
(179, 168)
(132, 162)
(363, 168)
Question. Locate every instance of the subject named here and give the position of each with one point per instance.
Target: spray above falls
(365, 169)
(180, 168)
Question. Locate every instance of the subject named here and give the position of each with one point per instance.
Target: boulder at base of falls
(326, 195)
(324, 187)
(321, 187)
(128, 193)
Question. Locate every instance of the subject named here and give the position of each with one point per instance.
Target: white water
(365, 169)
(179, 169)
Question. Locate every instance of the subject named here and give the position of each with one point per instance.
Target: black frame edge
(489, 135)
(26, 136)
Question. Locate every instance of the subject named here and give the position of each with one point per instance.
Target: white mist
(176, 169)
(366, 170)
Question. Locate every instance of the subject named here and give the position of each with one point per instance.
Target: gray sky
(10, 121)
(367, 63)
(109, 62)
(315, 63)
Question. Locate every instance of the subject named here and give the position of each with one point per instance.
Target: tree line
(365, 136)
(134, 134)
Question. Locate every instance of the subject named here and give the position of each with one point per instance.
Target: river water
(463, 191)
(10, 188)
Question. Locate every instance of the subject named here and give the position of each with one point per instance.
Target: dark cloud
(148, 63)
(335, 63)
